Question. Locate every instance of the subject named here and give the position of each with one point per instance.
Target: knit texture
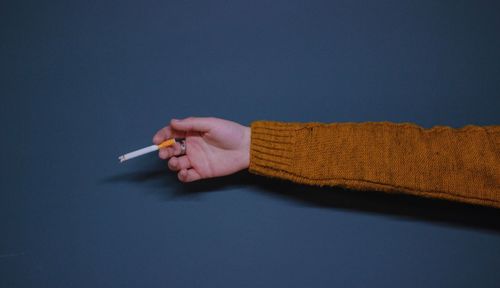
(441, 162)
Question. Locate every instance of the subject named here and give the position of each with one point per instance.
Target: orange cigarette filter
(166, 143)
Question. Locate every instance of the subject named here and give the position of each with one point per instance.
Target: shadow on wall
(394, 205)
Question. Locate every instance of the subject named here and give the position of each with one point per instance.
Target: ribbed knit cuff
(272, 146)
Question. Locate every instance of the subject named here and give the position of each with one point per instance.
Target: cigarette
(149, 149)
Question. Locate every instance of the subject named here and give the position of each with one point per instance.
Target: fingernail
(175, 120)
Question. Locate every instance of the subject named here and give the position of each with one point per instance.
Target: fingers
(179, 163)
(183, 165)
(177, 128)
(166, 133)
(162, 135)
(166, 153)
(198, 124)
(188, 175)
(174, 150)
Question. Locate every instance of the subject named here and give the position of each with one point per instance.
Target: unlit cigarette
(149, 149)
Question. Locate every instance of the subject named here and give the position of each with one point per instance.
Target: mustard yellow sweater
(441, 162)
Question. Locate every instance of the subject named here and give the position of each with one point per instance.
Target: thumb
(197, 124)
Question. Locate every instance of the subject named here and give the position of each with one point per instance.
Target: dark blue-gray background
(84, 81)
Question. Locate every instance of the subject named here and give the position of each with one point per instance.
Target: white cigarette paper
(138, 153)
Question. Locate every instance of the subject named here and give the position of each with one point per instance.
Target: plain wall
(85, 81)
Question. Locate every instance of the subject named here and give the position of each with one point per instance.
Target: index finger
(162, 135)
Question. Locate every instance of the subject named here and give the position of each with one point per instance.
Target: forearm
(455, 164)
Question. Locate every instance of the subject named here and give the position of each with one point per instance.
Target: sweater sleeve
(441, 162)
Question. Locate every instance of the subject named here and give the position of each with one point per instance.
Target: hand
(214, 147)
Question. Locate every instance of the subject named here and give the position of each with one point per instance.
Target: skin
(214, 147)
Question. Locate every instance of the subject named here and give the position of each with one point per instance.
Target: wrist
(247, 135)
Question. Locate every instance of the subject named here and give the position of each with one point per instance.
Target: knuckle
(181, 177)
(171, 163)
(176, 149)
